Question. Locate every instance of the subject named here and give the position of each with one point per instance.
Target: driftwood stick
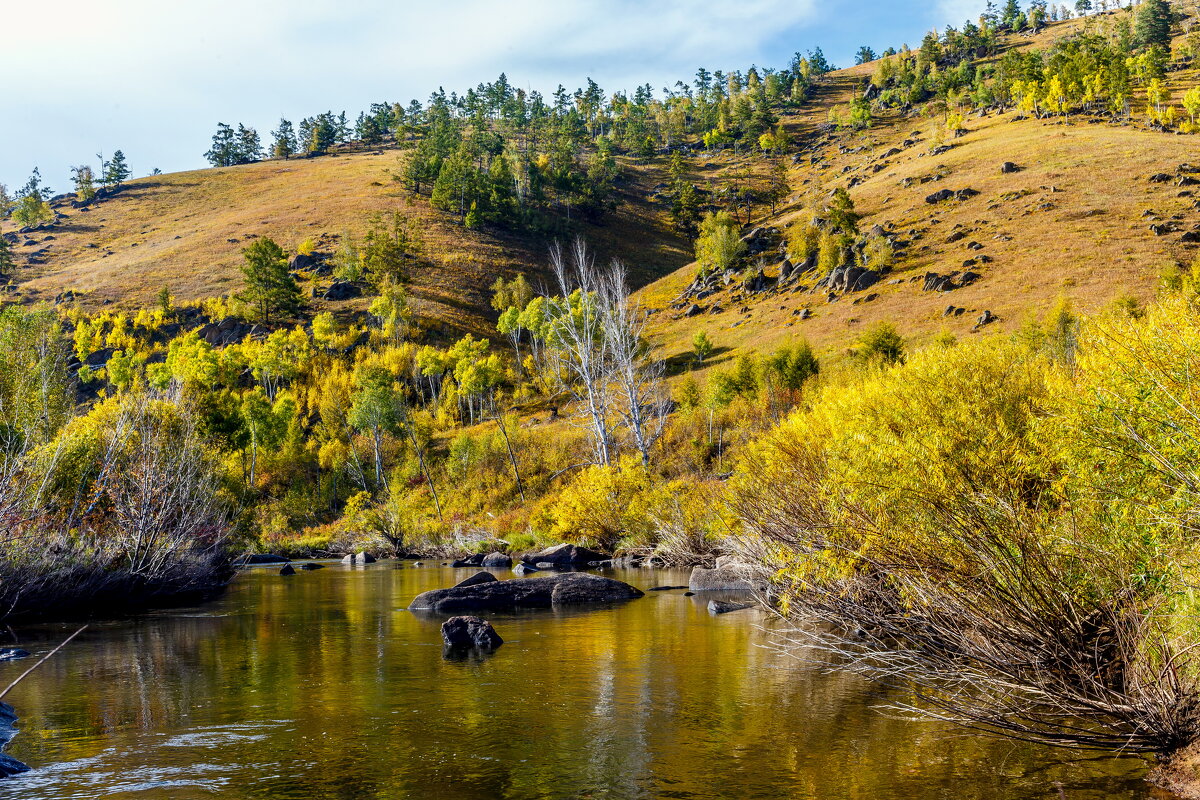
(41, 661)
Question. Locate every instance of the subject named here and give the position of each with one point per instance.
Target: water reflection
(321, 685)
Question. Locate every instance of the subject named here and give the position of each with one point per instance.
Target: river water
(322, 685)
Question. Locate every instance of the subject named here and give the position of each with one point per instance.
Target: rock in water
(721, 579)
(468, 632)
(724, 607)
(563, 556)
(524, 569)
(574, 588)
(13, 653)
(365, 558)
(287, 570)
(476, 579)
(8, 729)
(496, 560)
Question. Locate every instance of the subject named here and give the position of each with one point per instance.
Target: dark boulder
(1191, 237)
(311, 566)
(986, 318)
(575, 588)
(364, 558)
(288, 569)
(1160, 177)
(724, 606)
(665, 588)
(341, 290)
(563, 556)
(476, 579)
(939, 196)
(497, 560)
(9, 766)
(1009, 167)
(470, 632)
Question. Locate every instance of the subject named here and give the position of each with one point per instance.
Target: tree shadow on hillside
(685, 361)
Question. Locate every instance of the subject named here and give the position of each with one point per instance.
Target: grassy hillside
(186, 231)
(1075, 221)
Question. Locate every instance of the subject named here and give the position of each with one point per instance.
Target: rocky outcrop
(849, 279)
(563, 556)
(943, 195)
(574, 588)
(948, 283)
(470, 632)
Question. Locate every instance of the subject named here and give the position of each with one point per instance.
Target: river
(322, 685)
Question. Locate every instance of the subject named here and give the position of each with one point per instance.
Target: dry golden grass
(186, 231)
(1077, 229)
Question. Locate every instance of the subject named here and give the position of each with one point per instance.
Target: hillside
(1076, 217)
(1079, 218)
(186, 231)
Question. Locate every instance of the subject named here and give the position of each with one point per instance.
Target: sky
(154, 77)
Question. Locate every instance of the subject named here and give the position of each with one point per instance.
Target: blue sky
(153, 77)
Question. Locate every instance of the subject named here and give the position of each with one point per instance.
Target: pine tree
(1010, 15)
(285, 140)
(1153, 25)
(6, 257)
(249, 148)
(223, 152)
(116, 171)
(269, 285)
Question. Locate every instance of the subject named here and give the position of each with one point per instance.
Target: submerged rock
(724, 606)
(12, 653)
(287, 570)
(470, 632)
(574, 588)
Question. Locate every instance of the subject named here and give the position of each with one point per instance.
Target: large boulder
(470, 632)
(524, 569)
(497, 560)
(476, 579)
(723, 578)
(563, 556)
(574, 588)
